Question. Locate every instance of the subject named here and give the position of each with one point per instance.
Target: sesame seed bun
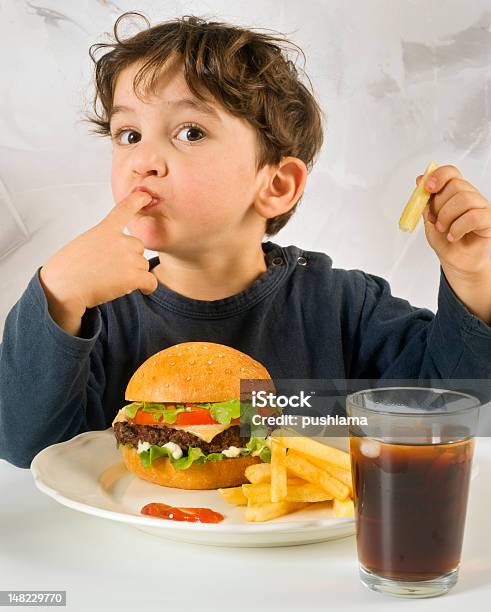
(193, 372)
(209, 475)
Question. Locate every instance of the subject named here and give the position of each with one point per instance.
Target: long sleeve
(48, 378)
(398, 341)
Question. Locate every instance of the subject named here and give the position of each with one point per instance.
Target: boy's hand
(101, 264)
(458, 224)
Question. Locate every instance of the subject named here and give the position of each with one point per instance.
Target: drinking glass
(411, 463)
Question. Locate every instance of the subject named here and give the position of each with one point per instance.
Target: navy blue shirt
(301, 318)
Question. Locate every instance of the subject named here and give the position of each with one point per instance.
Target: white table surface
(105, 565)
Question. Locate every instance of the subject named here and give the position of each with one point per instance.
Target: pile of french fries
(302, 472)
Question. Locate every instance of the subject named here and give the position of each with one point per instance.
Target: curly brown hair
(246, 71)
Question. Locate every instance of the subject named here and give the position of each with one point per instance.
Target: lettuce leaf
(258, 447)
(159, 411)
(255, 447)
(169, 415)
(195, 455)
(131, 409)
(223, 412)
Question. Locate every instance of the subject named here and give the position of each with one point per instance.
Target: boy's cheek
(117, 189)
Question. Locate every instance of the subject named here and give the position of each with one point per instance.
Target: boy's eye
(131, 136)
(190, 132)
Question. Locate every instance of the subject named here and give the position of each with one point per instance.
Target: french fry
(308, 471)
(316, 449)
(416, 203)
(261, 473)
(307, 492)
(336, 472)
(265, 512)
(342, 475)
(343, 508)
(278, 472)
(233, 495)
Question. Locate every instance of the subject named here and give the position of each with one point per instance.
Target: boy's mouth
(152, 203)
(156, 199)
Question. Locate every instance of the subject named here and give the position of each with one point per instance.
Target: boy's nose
(149, 160)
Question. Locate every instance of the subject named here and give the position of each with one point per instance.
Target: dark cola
(410, 505)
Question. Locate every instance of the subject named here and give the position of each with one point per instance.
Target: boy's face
(204, 173)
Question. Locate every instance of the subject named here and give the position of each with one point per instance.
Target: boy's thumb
(148, 284)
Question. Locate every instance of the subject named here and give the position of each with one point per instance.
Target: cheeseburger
(182, 427)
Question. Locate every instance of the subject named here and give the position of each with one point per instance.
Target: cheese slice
(203, 432)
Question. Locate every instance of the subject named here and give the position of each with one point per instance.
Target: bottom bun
(209, 475)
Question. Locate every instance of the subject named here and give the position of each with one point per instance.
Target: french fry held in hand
(416, 203)
(306, 492)
(234, 495)
(265, 512)
(278, 472)
(316, 449)
(304, 469)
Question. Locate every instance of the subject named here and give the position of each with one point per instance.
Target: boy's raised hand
(100, 265)
(458, 223)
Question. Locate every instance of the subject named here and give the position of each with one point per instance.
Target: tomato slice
(145, 418)
(195, 416)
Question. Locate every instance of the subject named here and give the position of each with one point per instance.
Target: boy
(208, 157)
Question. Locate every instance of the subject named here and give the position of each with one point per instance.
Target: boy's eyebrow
(191, 103)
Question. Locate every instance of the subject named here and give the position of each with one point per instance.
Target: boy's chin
(152, 240)
(159, 246)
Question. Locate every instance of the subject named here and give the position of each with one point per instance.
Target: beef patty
(129, 433)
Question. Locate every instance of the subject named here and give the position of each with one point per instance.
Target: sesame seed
(220, 354)
(242, 369)
(166, 384)
(188, 377)
(210, 362)
(192, 362)
(173, 363)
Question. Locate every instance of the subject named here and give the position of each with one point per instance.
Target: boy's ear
(283, 188)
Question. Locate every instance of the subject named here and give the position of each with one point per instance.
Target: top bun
(193, 372)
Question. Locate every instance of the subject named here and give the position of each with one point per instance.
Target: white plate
(86, 473)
